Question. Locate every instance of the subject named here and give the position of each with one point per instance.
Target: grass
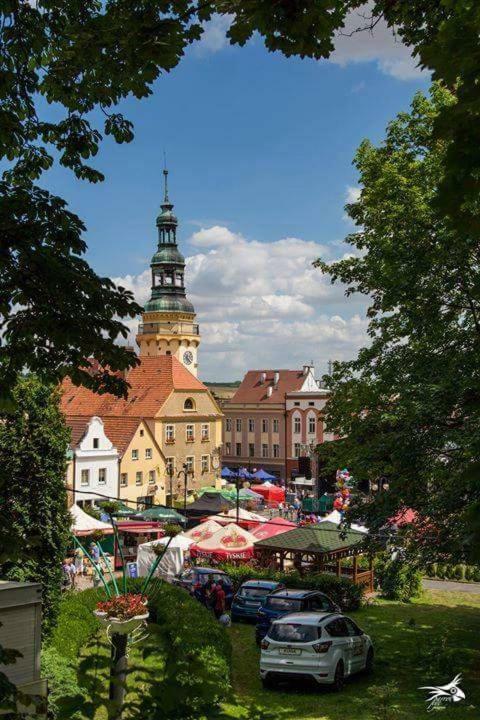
(426, 642)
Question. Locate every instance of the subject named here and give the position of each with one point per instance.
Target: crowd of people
(212, 595)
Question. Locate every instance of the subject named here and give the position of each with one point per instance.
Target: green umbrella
(163, 514)
(210, 489)
(124, 510)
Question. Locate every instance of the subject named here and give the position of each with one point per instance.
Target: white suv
(325, 646)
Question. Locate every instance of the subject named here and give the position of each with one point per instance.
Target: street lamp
(170, 473)
(237, 477)
(185, 472)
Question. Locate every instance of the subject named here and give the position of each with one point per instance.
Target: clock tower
(168, 322)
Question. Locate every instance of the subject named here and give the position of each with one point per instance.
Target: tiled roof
(253, 390)
(322, 538)
(119, 430)
(78, 426)
(151, 383)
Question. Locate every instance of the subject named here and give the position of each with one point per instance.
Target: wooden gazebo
(319, 548)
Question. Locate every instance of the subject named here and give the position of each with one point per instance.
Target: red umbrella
(272, 527)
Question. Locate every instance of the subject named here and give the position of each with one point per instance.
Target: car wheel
(369, 662)
(339, 677)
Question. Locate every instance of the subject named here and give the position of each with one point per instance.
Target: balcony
(167, 327)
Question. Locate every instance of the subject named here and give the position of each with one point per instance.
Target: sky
(259, 149)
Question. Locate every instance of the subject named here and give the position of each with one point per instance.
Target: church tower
(168, 321)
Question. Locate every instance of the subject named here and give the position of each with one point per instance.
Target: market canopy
(203, 531)
(229, 543)
(263, 475)
(171, 563)
(207, 504)
(271, 493)
(248, 519)
(226, 473)
(163, 514)
(321, 539)
(336, 518)
(85, 524)
(273, 527)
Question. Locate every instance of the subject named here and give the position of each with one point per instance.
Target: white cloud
(352, 194)
(262, 304)
(214, 37)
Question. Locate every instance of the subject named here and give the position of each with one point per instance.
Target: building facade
(93, 461)
(275, 417)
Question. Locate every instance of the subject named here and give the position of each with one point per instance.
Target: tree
(33, 498)
(84, 58)
(408, 407)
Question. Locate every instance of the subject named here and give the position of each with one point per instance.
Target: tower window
(168, 279)
(189, 404)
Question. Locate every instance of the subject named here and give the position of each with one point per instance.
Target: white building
(94, 467)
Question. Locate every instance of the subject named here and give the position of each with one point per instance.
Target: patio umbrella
(226, 473)
(162, 514)
(263, 475)
(125, 510)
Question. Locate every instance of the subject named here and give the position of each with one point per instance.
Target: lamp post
(185, 472)
(170, 472)
(237, 477)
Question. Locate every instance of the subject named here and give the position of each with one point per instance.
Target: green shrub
(65, 697)
(476, 574)
(441, 571)
(469, 573)
(399, 580)
(76, 622)
(341, 590)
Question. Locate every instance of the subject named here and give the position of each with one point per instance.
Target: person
(66, 576)
(94, 552)
(219, 606)
(79, 561)
(210, 589)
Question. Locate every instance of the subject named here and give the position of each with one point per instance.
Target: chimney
(269, 391)
(276, 377)
(263, 377)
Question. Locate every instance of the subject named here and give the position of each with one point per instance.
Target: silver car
(327, 647)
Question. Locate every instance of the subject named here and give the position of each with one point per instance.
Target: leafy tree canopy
(408, 407)
(82, 56)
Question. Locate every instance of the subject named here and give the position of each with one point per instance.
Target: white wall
(93, 459)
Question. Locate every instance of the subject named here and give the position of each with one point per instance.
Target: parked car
(194, 579)
(250, 596)
(281, 602)
(327, 647)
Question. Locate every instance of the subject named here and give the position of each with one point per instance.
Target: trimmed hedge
(341, 590)
(460, 572)
(397, 580)
(196, 648)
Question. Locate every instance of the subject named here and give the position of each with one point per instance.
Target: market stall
(172, 561)
(246, 519)
(272, 527)
(131, 534)
(85, 525)
(203, 531)
(272, 494)
(206, 505)
(229, 544)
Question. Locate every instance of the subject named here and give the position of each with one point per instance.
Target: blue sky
(259, 149)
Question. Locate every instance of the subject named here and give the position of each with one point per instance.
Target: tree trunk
(118, 676)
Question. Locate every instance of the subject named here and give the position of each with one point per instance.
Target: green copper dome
(168, 254)
(169, 304)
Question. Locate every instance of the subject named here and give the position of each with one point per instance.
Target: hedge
(197, 654)
(460, 572)
(397, 579)
(341, 590)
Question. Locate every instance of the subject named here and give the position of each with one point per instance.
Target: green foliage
(33, 445)
(407, 408)
(8, 691)
(341, 590)
(398, 579)
(68, 636)
(171, 529)
(386, 699)
(460, 572)
(65, 695)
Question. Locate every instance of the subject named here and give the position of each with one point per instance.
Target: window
(320, 604)
(151, 477)
(238, 449)
(251, 449)
(293, 632)
(228, 448)
(275, 425)
(251, 425)
(276, 451)
(264, 425)
(205, 432)
(297, 426)
(141, 433)
(312, 425)
(123, 479)
(297, 404)
(228, 424)
(148, 453)
(239, 425)
(353, 629)
(170, 433)
(312, 404)
(168, 279)
(190, 433)
(102, 476)
(139, 478)
(283, 605)
(170, 465)
(337, 628)
(190, 463)
(85, 477)
(134, 454)
(264, 450)
(189, 405)
(95, 443)
(296, 449)
(205, 463)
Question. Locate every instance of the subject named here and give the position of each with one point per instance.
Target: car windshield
(215, 577)
(253, 593)
(284, 604)
(293, 633)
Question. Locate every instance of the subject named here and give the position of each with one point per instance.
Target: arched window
(189, 404)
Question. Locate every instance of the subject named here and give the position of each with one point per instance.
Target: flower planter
(121, 627)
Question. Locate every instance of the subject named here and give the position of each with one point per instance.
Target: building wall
(205, 412)
(93, 459)
(258, 437)
(141, 442)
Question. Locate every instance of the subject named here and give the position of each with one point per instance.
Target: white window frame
(148, 453)
(264, 425)
(123, 479)
(151, 477)
(297, 420)
(170, 462)
(104, 472)
(84, 473)
(238, 425)
(276, 450)
(312, 420)
(276, 425)
(228, 424)
(251, 425)
(139, 475)
(134, 454)
(190, 432)
(205, 432)
(190, 463)
(297, 449)
(170, 434)
(228, 448)
(205, 463)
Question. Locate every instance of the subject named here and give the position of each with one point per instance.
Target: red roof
(254, 390)
(273, 527)
(151, 383)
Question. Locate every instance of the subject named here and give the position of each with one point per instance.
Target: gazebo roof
(323, 538)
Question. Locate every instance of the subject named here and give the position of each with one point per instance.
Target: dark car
(194, 580)
(281, 602)
(249, 598)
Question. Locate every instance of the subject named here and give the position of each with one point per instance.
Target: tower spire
(165, 177)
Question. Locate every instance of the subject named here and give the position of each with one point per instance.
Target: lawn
(426, 642)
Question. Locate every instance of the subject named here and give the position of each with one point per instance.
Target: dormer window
(189, 405)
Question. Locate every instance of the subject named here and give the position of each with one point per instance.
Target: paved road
(453, 586)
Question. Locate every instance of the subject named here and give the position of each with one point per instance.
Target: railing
(166, 327)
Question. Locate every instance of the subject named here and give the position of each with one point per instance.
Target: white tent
(335, 517)
(171, 563)
(84, 524)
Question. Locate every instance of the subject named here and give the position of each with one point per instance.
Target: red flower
(123, 607)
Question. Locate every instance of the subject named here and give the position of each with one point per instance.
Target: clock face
(188, 357)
